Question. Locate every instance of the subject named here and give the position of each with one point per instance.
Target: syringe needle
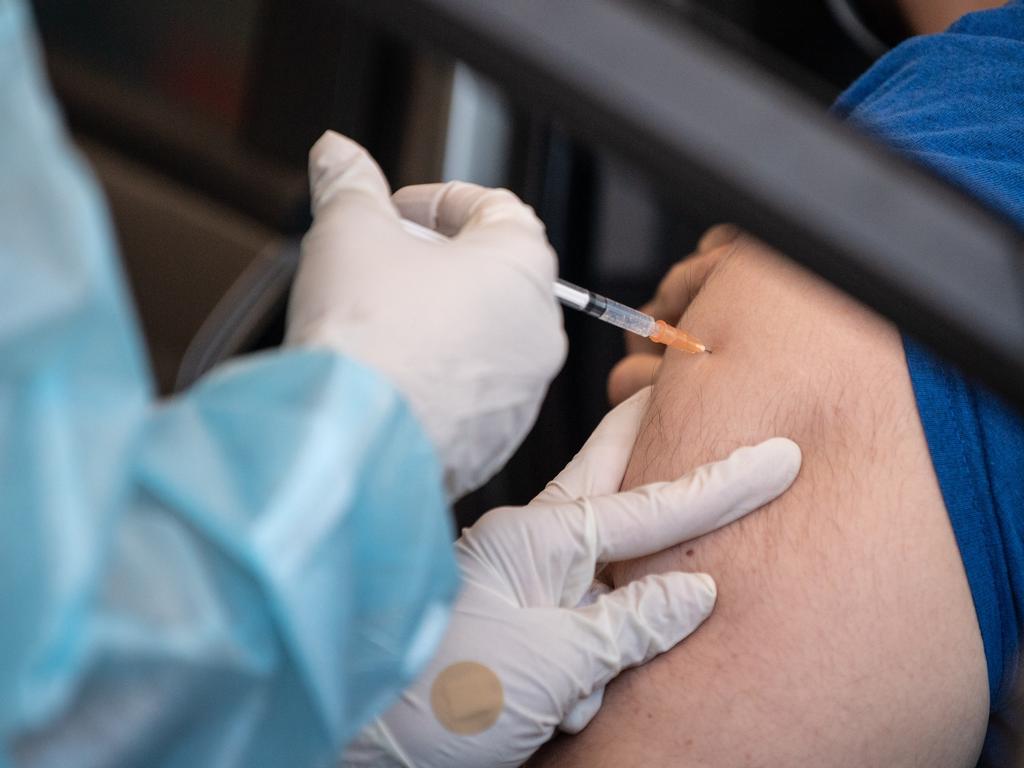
(677, 339)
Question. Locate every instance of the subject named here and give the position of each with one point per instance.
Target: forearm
(246, 578)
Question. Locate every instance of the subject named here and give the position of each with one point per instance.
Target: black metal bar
(707, 124)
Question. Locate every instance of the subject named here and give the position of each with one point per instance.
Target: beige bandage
(467, 698)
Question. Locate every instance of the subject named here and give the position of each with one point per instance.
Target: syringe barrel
(625, 317)
(572, 295)
(619, 315)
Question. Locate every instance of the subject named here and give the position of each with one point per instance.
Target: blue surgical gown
(236, 577)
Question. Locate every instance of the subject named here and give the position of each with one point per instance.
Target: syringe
(627, 318)
(602, 308)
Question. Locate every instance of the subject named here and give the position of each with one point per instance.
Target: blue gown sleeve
(237, 577)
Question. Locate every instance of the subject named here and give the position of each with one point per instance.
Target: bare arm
(844, 634)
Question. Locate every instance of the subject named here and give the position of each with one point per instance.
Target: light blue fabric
(238, 577)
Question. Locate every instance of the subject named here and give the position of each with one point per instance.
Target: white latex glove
(468, 330)
(536, 657)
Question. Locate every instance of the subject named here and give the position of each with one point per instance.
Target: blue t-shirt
(955, 103)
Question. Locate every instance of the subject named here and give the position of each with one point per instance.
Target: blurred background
(197, 117)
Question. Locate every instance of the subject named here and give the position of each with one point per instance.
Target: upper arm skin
(845, 633)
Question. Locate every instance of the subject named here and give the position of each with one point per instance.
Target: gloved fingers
(421, 203)
(582, 713)
(635, 623)
(598, 468)
(657, 516)
(631, 374)
(584, 710)
(342, 171)
(458, 209)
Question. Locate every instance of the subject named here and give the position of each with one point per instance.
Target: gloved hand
(521, 655)
(468, 330)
